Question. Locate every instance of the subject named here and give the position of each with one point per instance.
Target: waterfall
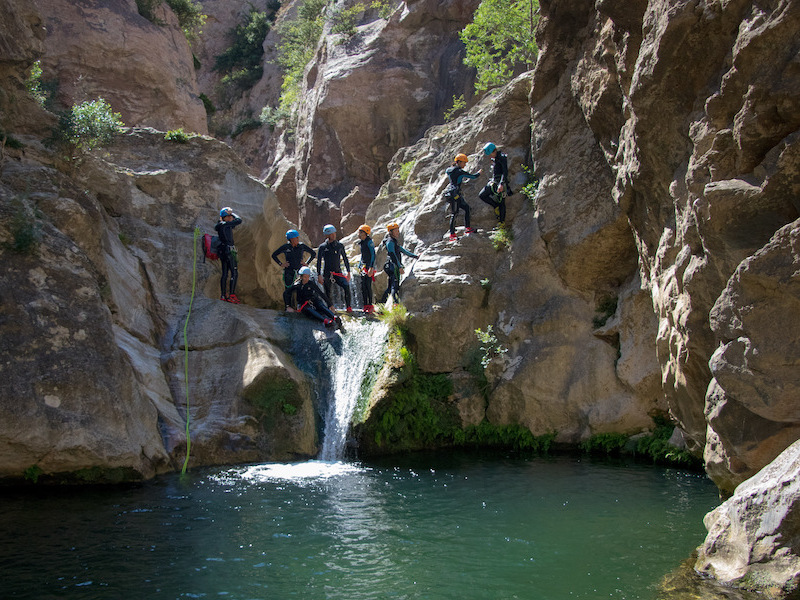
(362, 346)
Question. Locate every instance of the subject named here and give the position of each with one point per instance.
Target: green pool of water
(461, 526)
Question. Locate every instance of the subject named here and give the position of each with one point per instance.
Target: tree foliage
(500, 40)
(299, 42)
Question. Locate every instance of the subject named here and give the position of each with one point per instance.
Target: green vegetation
(515, 437)
(344, 20)
(273, 117)
(300, 37)
(383, 7)
(25, 228)
(404, 172)
(272, 394)
(531, 186)
(89, 124)
(34, 84)
(500, 40)
(209, 105)
(606, 308)
(396, 318)
(190, 14)
(605, 443)
(177, 135)
(501, 237)
(458, 105)
(241, 64)
(9, 141)
(32, 473)
(246, 124)
(490, 345)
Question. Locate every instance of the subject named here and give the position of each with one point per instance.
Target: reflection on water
(428, 526)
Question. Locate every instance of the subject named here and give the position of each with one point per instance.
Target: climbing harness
(197, 234)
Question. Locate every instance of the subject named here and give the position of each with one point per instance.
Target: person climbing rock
(494, 193)
(311, 301)
(366, 266)
(228, 257)
(394, 265)
(456, 174)
(330, 255)
(293, 251)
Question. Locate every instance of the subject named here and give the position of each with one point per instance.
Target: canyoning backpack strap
(210, 247)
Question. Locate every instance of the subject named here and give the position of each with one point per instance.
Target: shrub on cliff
(89, 124)
(500, 40)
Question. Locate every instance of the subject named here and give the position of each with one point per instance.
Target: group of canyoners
(331, 254)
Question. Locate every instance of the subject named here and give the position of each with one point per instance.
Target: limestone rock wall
(692, 106)
(107, 49)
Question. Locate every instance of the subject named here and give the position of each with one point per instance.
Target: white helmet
(305, 271)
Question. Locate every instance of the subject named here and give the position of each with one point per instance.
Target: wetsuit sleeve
(344, 257)
(320, 254)
(503, 168)
(277, 252)
(371, 248)
(237, 220)
(406, 252)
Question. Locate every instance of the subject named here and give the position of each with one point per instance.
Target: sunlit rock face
(95, 313)
(364, 98)
(703, 165)
(108, 50)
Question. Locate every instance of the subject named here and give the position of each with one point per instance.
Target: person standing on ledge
(456, 174)
(228, 257)
(329, 269)
(494, 193)
(366, 266)
(394, 264)
(293, 252)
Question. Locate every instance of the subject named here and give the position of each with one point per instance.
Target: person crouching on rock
(228, 257)
(330, 255)
(394, 265)
(494, 193)
(293, 252)
(456, 174)
(312, 301)
(366, 266)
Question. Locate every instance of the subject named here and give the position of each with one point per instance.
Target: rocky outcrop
(102, 263)
(365, 98)
(702, 161)
(562, 371)
(107, 49)
(752, 539)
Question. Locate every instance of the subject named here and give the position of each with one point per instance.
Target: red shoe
(223, 298)
(368, 308)
(350, 310)
(233, 299)
(469, 230)
(453, 237)
(328, 322)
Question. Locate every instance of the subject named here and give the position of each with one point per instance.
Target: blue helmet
(225, 212)
(292, 233)
(328, 229)
(489, 148)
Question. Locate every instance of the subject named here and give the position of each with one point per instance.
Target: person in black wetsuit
(394, 265)
(366, 266)
(228, 257)
(311, 301)
(329, 269)
(456, 174)
(494, 193)
(293, 252)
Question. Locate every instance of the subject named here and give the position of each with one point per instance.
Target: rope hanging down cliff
(197, 234)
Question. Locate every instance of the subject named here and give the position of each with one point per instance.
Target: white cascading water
(362, 345)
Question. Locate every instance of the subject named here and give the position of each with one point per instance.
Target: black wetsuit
(489, 193)
(367, 263)
(294, 256)
(453, 194)
(329, 257)
(311, 301)
(393, 266)
(227, 254)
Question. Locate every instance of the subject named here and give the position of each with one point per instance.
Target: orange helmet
(392, 226)
(461, 158)
(365, 228)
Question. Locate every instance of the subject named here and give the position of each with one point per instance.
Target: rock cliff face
(703, 164)
(107, 49)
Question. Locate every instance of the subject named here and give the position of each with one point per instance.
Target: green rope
(197, 233)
